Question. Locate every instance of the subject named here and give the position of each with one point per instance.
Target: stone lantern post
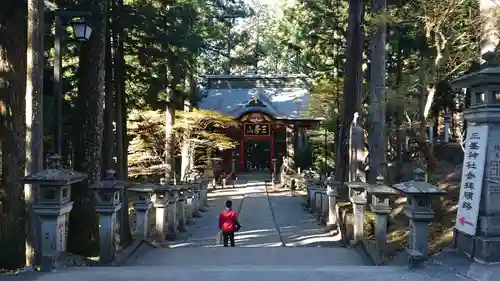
(357, 196)
(182, 191)
(53, 207)
(109, 202)
(142, 202)
(477, 230)
(332, 192)
(273, 174)
(418, 209)
(381, 207)
(161, 202)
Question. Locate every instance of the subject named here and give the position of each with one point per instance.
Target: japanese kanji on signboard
(257, 129)
(472, 179)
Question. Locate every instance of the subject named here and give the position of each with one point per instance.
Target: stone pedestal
(142, 203)
(324, 206)
(172, 226)
(311, 190)
(381, 207)
(160, 203)
(418, 209)
(233, 166)
(205, 194)
(331, 191)
(357, 196)
(53, 225)
(482, 242)
(109, 202)
(181, 210)
(189, 206)
(53, 207)
(273, 174)
(318, 198)
(196, 201)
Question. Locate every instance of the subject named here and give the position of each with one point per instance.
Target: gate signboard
(252, 129)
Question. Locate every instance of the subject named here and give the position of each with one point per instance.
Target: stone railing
(322, 202)
(174, 207)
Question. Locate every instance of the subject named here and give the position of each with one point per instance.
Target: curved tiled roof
(282, 103)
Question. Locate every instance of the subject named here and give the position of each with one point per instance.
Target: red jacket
(228, 221)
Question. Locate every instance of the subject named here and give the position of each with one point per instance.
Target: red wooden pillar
(242, 156)
(271, 153)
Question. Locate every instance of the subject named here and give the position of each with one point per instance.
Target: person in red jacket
(228, 223)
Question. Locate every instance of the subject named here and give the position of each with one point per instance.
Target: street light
(82, 30)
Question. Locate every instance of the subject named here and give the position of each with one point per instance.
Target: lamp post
(82, 31)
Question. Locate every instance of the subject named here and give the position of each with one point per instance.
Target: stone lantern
(273, 174)
(182, 191)
(109, 202)
(477, 233)
(166, 196)
(357, 196)
(418, 209)
(381, 207)
(53, 206)
(332, 187)
(142, 202)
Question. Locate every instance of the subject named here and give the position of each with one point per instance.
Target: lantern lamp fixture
(81, 29)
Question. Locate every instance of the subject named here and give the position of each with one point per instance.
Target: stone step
(313, 256)
(189, 272)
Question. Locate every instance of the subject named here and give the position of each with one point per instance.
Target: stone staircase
(252, 264)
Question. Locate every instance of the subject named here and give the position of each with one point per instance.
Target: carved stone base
(171, 236)
(483, 249)
(487, 249)
(463, 243)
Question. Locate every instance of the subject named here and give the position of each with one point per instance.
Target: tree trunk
(399, 110)
(121, 111)
(12, 131)
(34, 123)
(352, 84)
(377, 135)
(427, 94)
(83, 224)
(169, 141)
(490, 30)
(107, 146)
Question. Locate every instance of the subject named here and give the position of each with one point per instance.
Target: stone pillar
(324, 205)
(142, 203)
(331, 191)
(196, 200)
(203, 195)
(273, 174)
(108, 204)
(172, 227)
(290, 148)
(181, 210)
(477, 229)
(381, 207)
(160, 203)
(233, 165)
(311, 190)
(318, 201)
(357, 196)
(52, 207)
(189, 205)
(418, 210)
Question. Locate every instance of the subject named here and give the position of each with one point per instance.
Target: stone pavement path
(278, 241)
(203, 231)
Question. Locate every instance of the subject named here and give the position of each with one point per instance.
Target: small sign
(472, 179)
(257, 129)
(447, 117)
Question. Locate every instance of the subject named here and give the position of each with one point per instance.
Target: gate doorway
(257, 154)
